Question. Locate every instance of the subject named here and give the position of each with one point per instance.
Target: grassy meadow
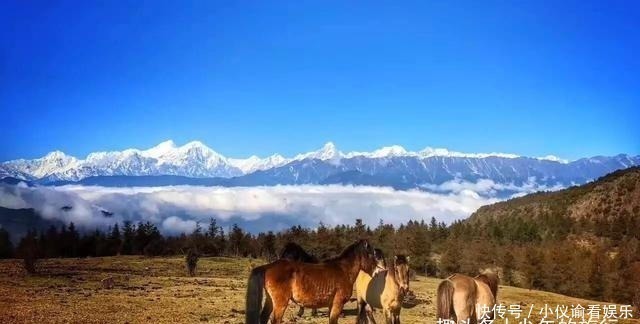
(157, 290)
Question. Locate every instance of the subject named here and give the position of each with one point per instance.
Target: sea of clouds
(177, 209)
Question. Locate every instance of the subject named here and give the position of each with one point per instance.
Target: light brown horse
(384, 290)
(462, 298)
(326, 284)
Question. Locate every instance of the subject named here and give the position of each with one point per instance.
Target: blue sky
(533, 78)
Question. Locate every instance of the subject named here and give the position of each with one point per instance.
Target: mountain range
(195, 163)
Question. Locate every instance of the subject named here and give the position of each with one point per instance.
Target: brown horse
(295, 252)
(462, 298)
(384, 290)
(326, 284)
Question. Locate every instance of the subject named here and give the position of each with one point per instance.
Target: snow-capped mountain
(193, 159)
(388, 166)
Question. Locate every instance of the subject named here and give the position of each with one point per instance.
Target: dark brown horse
(326, 284)
(295, 252)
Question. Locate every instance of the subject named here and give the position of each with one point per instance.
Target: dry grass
(158, 290)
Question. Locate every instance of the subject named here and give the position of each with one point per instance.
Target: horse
(325, 284)
(463, 298)
(295, 252)
(384, 290)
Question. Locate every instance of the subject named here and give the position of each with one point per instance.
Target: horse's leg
(360, 313)
(314, 312)
(301, 311)
(280, 304)
(365, 314)
(278, 313)
(267, 309)
(464, 307)
(388, 319)
(396, 316)
(369, 310)
(336, 309)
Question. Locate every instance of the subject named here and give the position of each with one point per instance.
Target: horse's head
(401, 263)
(366, 255)
(381, 264)
(295, 252)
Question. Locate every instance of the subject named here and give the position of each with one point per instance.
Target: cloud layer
(177, 209)
(490, 188)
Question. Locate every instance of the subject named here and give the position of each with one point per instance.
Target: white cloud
(177, 225)
(489, 188)
(177, 209)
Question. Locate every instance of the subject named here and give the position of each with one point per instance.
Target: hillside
(608, 207)
(581, 241)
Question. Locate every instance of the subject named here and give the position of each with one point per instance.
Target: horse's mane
(401, 259)
(351, 250)
(491, 279)
(391, 269)
(379, 255)
(295, 252)
(398, 259)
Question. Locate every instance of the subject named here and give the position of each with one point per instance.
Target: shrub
(191, 260)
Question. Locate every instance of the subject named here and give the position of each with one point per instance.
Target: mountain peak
(55, 155)
(195, 159)
(329, 145)
(329, 148)
(393, 150)
(160, 149)
(195, 144)
(443, 152)
(328, 151)
(168, 144)
(200, 149)
(553, 158)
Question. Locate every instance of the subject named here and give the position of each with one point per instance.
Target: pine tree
(359, 229)
(52, 250)
(450, 260)
(531, 267)
(599, 260)
(384, 237)
(6, 247)
(508, 264)
(269, 246)
(115, 240)
(198, 240)
(419, 247)
(236, 240)
(28, 251)
(433, 224)
(74, 240)
(139, 238)
(127, 238)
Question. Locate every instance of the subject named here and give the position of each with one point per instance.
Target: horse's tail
(444, 301)
(492, 280)
(255, 288)
(472, 300)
